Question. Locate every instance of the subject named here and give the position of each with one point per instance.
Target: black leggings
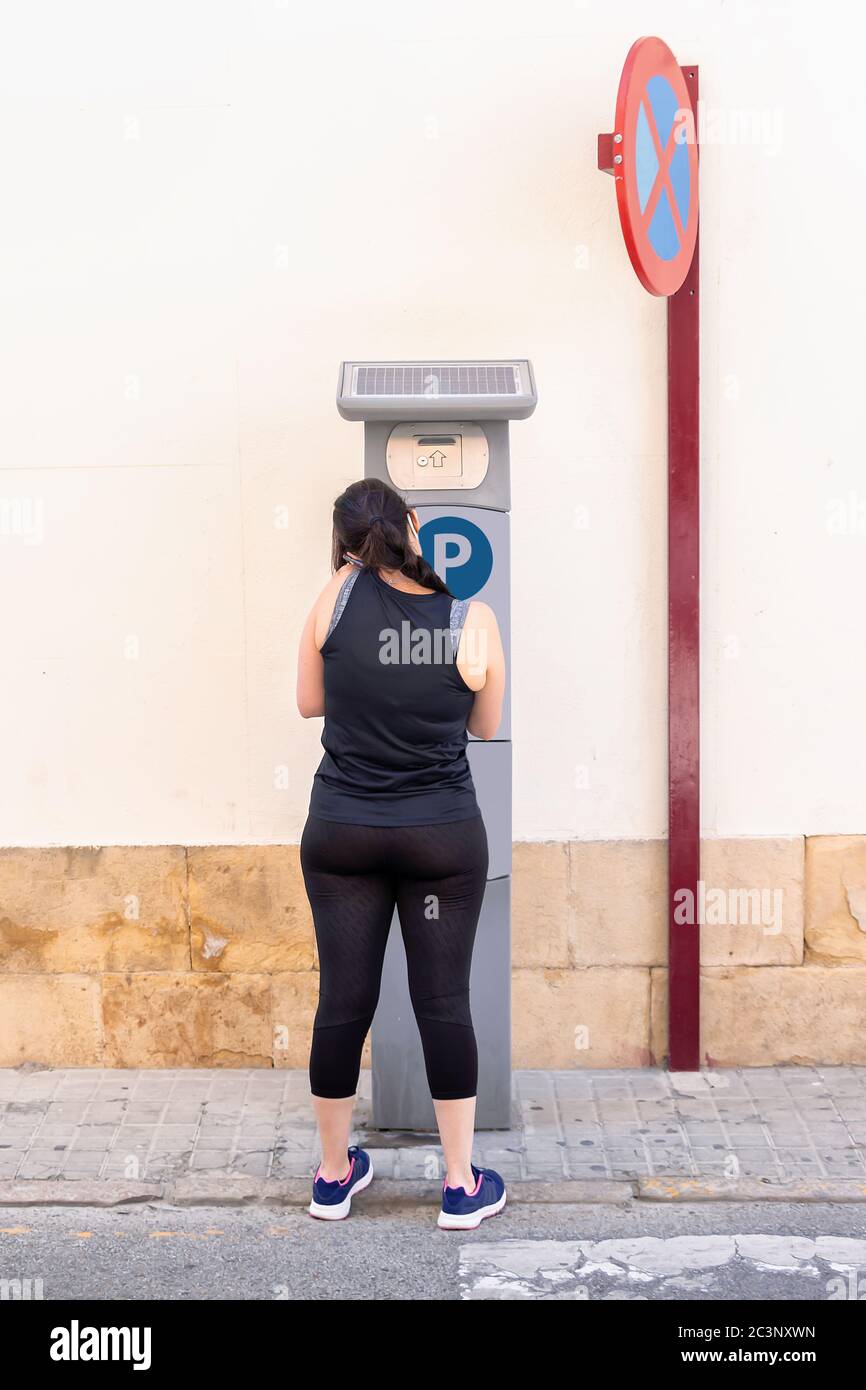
(355, 876)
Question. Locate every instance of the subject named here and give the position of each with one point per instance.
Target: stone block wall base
(166, 956)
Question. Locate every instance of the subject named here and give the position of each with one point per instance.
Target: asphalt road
(711, 1251)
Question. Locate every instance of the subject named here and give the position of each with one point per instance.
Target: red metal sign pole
(684, 845)
(654, 161)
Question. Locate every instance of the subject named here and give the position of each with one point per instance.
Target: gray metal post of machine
(438, 433)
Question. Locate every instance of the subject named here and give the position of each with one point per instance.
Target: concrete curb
(67, 1192)
(750, 1190)
(230, 1190)
(384, 1192)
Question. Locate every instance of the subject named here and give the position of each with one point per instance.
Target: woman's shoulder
(480, 614)
(339, 577)
(326, 602)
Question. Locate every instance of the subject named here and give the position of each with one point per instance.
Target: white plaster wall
(208, 205)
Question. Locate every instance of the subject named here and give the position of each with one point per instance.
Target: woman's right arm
(481, 663)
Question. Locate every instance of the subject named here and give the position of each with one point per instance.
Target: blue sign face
(459, 552)
(672, 171)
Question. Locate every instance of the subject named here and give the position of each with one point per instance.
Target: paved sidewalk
(783, 1124)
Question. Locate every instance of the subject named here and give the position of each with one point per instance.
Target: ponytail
(371, 523)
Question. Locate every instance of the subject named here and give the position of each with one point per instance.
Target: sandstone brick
(295, 995)
(580, 1018)
(540, 904)
(53, 1019)
(762, 884)
(187, 1020)
(836, 899)
(618, 902)
(763, 1016)
(659, 1016)
(80, 910)
(248, 910)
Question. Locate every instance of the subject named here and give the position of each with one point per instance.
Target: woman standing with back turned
(401, 671)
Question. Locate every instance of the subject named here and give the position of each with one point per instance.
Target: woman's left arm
(311, 666)
(311, 671)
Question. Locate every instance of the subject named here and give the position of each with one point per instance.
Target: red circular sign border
(645, 58)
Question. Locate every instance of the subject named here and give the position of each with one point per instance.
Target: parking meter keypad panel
(437, 455)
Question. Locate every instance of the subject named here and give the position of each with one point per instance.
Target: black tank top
(395, 709)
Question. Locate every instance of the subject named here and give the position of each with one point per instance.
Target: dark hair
(371, 522)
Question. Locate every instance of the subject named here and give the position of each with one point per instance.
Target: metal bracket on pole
(605, 153)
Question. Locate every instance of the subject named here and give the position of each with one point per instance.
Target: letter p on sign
(449, 550)
(459, 552)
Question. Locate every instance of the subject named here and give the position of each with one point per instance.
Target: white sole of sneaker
(342, 1209)
(471, 1219)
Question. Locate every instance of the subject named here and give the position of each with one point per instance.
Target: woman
(401, 671)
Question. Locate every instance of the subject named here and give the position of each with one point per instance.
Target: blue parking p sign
(459, 552)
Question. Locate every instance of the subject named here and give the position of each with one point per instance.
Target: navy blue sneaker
(463, 1211)
(333, 1200)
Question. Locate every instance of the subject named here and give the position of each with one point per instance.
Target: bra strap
(459, 609)
(342, 599)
